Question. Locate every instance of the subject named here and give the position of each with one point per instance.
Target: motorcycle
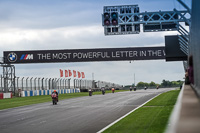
(54, 99)
(113, 91)
(103, 92)
(90, 92)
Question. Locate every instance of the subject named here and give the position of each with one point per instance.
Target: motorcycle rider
(103, 90)
(131, 88)
(134, 88)
(158, 87)
(90, 92)
(55, 92)
(113, 90)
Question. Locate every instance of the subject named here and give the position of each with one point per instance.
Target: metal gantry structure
(126, 19)
(8, 77)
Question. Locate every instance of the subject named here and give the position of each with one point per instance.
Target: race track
(77, 115)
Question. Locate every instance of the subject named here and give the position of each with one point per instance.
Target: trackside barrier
(47, 92)
(5, 95)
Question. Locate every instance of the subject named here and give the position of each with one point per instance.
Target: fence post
(46, 83)
(69, 83)
(35, 83)
(27, 83)
(17, 84)
(31, 82)
(39, 83)
(22, 83)
(42, 83)
(50, 84)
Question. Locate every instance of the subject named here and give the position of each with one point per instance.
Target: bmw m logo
(12, 57)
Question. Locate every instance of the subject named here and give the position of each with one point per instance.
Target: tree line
(165, 83)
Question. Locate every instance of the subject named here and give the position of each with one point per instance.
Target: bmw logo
(12, 57)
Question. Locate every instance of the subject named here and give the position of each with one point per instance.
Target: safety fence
(38, 83)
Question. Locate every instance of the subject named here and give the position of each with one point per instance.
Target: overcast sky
(77, 24)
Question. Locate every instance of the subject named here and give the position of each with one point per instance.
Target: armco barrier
(1, 95)
(5, 95)
(47, 92)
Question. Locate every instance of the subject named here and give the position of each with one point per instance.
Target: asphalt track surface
(76, 115)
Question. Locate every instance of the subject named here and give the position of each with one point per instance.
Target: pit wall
(47, 92)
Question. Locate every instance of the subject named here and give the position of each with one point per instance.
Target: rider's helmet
(54, 90)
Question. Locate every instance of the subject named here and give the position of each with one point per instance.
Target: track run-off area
(77, 115)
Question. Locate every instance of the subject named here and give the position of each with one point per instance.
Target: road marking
(126, 115)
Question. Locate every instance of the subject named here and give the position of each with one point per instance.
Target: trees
(152, 84)
(140, 84)
(165, 83)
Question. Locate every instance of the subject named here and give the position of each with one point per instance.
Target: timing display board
(84, 55)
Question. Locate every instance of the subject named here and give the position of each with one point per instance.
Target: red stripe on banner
(25, 56)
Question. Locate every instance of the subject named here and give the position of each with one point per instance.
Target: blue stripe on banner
(58, 91)
(61, 91)
(44, 92)
(31, 93)
(22, 57)
(48, 92)
(40, 92)
(25, 93)
(73, 90)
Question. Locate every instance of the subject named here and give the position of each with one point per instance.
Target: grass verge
(22, 101)
(150, 118)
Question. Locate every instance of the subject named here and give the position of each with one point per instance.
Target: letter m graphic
(26, 57)
(29, 57)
